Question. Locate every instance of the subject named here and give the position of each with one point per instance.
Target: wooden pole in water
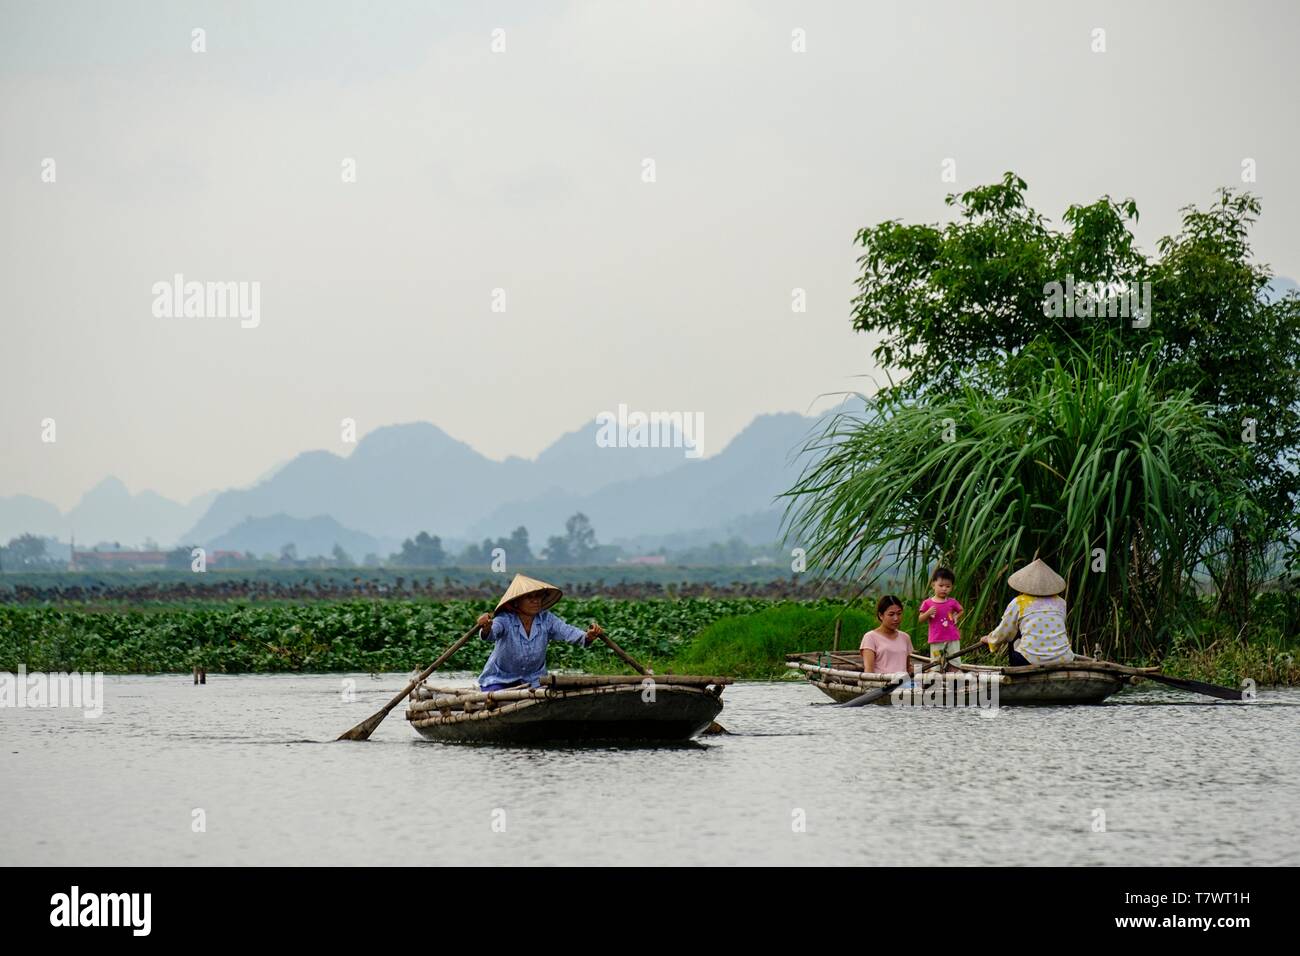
(835, 646)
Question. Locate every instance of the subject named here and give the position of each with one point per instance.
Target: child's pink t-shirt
(942, 626)
(891, 652)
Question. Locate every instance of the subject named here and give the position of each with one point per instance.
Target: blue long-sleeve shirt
(522, 657)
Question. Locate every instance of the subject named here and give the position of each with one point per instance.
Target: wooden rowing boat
(600, 707)
(839, 676)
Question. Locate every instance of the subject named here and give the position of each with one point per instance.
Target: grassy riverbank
(753, 646)
(746, 638)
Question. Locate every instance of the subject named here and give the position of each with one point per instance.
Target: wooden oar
(713, 728)
(1183, 683)
(874, 695)
(363, 730)
(1195, 686)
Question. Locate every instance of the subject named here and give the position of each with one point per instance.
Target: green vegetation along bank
(746, 638)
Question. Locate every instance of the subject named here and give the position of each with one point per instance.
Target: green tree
(952, 302)
(577, 545)
(27, 550)
(425, 551)
(516, 546)
(477, 553)
(557, 551)
(954, 305)
(581, 538)
(1237, 349)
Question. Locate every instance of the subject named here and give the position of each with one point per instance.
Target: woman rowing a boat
(522, 626)
(1038, 614)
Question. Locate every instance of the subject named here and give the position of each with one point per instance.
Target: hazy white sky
(522, 170)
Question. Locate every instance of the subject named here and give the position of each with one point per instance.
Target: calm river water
(1152, 777)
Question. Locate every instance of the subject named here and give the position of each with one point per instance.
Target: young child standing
(942, 611)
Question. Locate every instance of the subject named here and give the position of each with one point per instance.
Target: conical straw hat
(1037, 579)
(523, 585)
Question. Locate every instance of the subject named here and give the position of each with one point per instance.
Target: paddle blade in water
(363, 730)
(1197, 687)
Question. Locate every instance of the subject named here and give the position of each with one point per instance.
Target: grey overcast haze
(522, 170)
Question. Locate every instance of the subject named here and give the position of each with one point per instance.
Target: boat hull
(618, 713)
(1018, 686)
(1083, 689)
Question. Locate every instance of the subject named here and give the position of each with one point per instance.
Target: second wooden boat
(1081, 681)
(583, 708)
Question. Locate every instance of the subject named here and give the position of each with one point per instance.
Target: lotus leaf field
(358, 636)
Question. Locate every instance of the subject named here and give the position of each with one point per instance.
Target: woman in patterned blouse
(1038, 614)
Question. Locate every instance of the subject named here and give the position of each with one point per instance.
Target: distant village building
(645, 559)
(122, 560)
(117, 560)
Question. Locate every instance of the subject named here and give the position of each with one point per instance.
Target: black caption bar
(335, 906)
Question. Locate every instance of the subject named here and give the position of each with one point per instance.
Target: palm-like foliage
(1119, 488)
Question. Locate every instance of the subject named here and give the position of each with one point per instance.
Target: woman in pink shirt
(887, 650)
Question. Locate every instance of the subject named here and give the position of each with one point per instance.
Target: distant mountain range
(402, 479)
(107, 512)
(743, 480)
(310, 536)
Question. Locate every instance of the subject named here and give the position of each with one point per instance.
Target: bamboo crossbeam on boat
(1078, 664)
(600, 680)
(455, 716)
(839, 686)
(872, 676)
(468, 701)
(841, 657)
(848, 660)
(460, 700)
(425, 714)
(563, 681)
(1104, 667)
(831, 671)
(1075, 665)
